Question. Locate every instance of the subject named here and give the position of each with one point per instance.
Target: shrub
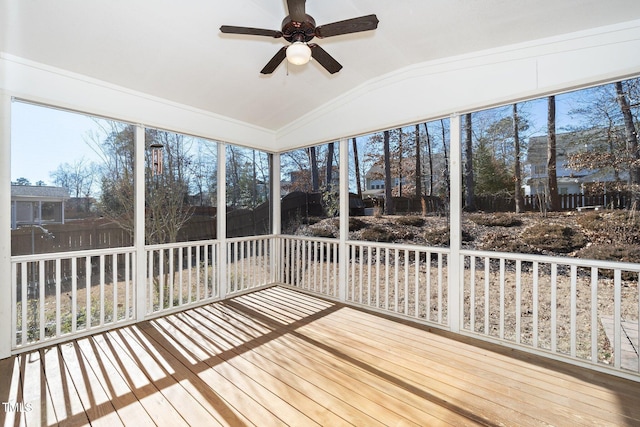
(378, 234)
(437, 237)
(496, 220)
(500, 242)
(356, 224)
(414, 221)
(622, 253)
(321, 232)
(440, 237)
(617, 227)
(554, 238)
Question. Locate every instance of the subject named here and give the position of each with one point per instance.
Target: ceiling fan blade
(275, 61)
(229, 29)
(297, 10)
(326, 60)
(354, 25)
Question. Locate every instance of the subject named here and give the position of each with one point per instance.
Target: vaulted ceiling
(174, 50)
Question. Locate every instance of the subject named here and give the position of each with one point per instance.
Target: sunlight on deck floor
(279, 357)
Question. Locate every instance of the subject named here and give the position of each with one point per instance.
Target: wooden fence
(506, 203)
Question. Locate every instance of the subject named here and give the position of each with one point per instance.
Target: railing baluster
(428, 295)
(518, 300)
(554, 307)
(396, 284)
(114, 283)
(161, 280)
(536, 303)
(594, 315)
(487, 308)
(58, 276)
(472, 293)
(502, 296)
(406, 281)
(440, 286)
(573, 310)
(87, 287)
(617, 321)
(416, 282)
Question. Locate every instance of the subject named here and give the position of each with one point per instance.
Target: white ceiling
(173, 49)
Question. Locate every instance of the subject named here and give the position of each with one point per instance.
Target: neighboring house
(300, 180)
(374, 177)
(37, 205)
(569, 181)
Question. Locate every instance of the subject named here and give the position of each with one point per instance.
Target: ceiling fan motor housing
(294, 31)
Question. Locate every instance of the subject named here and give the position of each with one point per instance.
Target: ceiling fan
(298, 28)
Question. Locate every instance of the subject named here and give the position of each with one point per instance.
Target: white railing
(587, 311)
(181, 274)
(401, 279)
(59, 295)
(310, 264)
(577, 310)
(249, 263)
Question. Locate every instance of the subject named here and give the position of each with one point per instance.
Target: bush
(554, 238)
(440, 237)
(621, 253)
(620, 227)
(356, 224)
(321, 232)
(496, 220)
(414, 221)
(378, 234)
(437, 237)
(500, 242)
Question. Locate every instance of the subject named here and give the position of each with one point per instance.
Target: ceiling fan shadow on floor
(299, 29)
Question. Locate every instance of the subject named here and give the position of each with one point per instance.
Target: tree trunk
(329, 173)
(517, 172)
(418, 164)
(631, 137)
(356, 162)
(430, 156)
(399, 162)
(447, 178)
(388, 196)
(469, 196)
(315, 174)
(554, 197)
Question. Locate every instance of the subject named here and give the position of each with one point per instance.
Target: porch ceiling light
(298, 53)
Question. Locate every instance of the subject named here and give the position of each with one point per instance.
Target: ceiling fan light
(298, 53)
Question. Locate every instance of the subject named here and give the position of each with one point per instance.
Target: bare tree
(329, 168)
(389, 208)
(517, 172)
(469, 195)
(552, 178)
(631, 136)
(315, 173)
(418, 162)
(356, 161)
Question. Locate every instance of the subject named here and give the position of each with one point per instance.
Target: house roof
(174, 50)
(38, 192)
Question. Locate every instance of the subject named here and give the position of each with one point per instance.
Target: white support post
(221, 215)
(276, 210)
(5, 226)
(139, 225)
(344, 219)
(456, 275)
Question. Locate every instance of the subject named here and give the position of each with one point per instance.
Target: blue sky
(43, 138)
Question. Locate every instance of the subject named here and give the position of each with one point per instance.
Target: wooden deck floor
(277, 357)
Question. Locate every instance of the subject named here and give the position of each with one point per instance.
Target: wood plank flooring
(279, 357)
